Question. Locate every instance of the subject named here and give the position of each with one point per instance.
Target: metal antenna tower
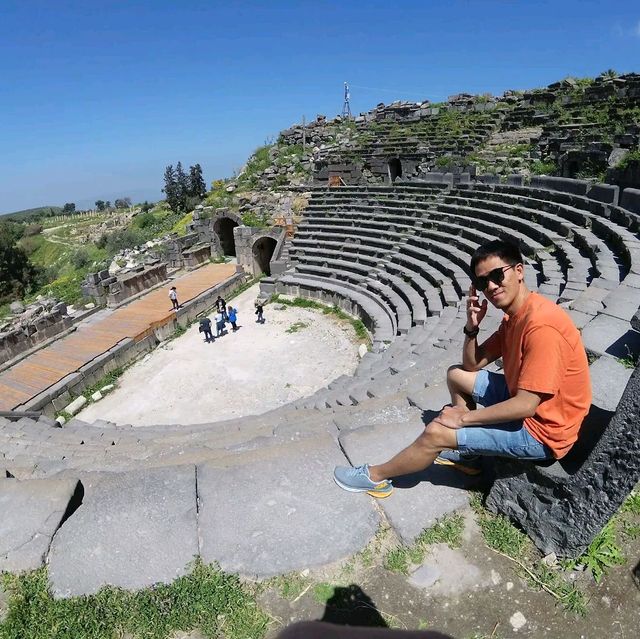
(346, 107)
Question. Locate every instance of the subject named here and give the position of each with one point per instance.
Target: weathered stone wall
(245, 238)
(133, 283)
(33, 332)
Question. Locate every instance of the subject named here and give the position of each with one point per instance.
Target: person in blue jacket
(232, 314)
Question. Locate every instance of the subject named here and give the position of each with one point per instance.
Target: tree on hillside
(107, 204)
(183, 191)
(100, 205)
(197, 186)
(123, 203)
(68, 208)
(145, 207)
(171, 189)
(17, 272)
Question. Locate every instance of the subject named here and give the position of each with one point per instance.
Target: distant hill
(27, 215)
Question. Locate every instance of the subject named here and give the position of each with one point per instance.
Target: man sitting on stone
(532, 412)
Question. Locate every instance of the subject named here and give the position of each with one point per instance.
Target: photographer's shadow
(351, 606)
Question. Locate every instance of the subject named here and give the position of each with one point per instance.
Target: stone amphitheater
(102, 503)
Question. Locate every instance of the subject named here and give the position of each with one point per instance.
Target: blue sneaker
(467, 464)
(357, 480)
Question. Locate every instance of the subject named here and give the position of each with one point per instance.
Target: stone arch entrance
(223, 228)
(262, 251)
(395, 169)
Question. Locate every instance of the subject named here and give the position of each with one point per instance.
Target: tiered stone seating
(408, 285)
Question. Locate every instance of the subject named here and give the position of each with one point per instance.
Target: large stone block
(630, 200)
(563, 507)
(133, 530)
(31, 511)
(296, 524)
(607, 193)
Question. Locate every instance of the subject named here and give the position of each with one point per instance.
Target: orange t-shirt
(542, 352)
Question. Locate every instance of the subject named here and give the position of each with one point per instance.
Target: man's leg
(417, 456)
(460, 384)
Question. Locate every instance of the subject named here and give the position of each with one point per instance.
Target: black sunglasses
(496, 276)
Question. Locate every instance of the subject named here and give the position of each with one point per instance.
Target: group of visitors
(223, 316)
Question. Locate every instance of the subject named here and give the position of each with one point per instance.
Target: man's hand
(451, 417)
(475, 310)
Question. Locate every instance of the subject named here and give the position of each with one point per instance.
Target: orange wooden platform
(49, 365)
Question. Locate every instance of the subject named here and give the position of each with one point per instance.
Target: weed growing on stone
(630, 360)
(207, 599)
(447, 530)
(289, 586)
(632, 503)
(322, 592)
(106, 380)
(603, 553)
(296, 326)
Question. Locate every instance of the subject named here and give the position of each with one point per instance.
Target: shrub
(32, 229)
(144, 220)
(629, 158)
(80, 258)
(543, 168)
(123, 239)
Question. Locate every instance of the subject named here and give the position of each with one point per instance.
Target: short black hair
(505, 250)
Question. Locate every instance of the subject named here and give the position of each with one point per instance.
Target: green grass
(206, 599)
(109, 378)
(603, 553)
(296, 326)
(180, 227)
(447, 530)
(632, 503)
(504, 538)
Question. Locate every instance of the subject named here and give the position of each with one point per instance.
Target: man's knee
(436, 437)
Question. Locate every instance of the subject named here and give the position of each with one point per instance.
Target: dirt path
(262, 366)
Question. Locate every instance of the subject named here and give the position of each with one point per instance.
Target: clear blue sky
(97, 97)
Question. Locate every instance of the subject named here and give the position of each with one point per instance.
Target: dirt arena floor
(261, 366)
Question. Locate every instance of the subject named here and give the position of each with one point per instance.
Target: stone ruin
(112, 290)
(31, 326)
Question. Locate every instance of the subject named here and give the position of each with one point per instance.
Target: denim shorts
(510, 439)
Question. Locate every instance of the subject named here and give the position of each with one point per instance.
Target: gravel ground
(260, 367)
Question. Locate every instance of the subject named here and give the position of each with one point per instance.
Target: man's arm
(523, 404)
(474, 356)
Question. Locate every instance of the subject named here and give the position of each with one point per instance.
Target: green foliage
(447, 530)
(543, 168)
(632, 157)
(31, 215)
(251, 218)
(180, 227)
(258, 162)
(109, 378)
(66, 288)
(322, 592)
(144, 220)
(632, 503)
(206, 599)
(18, 274)
(296, 326)
(123, 239)
(80, 259)
(603, 553)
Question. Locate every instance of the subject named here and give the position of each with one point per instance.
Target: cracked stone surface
(133, 530)
(419, 499)
(31, 513)
(279, 515)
